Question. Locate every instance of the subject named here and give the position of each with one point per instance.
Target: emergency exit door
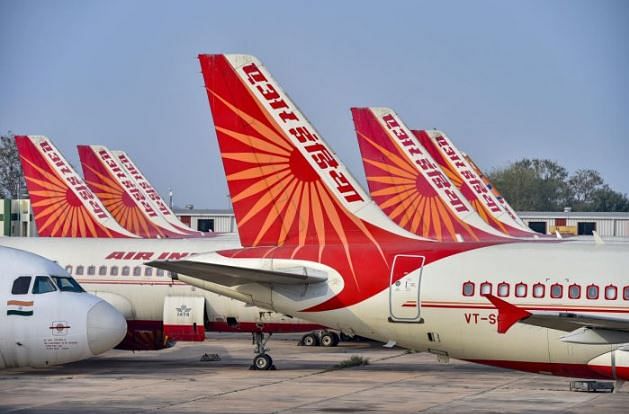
(404, 289)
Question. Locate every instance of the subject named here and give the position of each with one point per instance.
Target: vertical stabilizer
(408, 184)
(124, 200)
(152, 194)
(63, 205)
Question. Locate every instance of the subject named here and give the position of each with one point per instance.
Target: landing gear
(310, 340)
(262, 360)
(329, 339)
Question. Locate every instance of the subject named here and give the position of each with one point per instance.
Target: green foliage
(544, 185)
(11, 177)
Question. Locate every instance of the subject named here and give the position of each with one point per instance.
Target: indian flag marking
(20, 307)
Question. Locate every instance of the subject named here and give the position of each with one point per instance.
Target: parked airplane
(157, 308)
(453, 163)
(408, 184)
(47, 318)
(151, 194)
(554, 308)
(63, 205)
(129, 205)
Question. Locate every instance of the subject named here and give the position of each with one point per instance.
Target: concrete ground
(176, 381)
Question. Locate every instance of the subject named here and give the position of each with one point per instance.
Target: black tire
(262, 362)
(310, 340)
(329, 339)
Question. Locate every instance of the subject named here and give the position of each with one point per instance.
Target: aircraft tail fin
(63, 205)
(287, 186)
(124, 200)
(143, 183)
(407, 183)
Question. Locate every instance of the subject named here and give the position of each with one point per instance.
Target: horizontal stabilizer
(232, 275)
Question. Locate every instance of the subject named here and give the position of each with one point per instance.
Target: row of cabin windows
(81, 270)
(538, 290)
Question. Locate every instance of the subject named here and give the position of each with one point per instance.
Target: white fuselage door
(404, 289)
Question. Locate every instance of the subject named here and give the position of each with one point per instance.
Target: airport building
(16, 219)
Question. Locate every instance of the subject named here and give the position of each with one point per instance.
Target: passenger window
(21, 285)
(137, 271)
(69, 269)
(556, 291)
(539, 290)
(91, 270)
(159, 272)
(79, 270)
(591, 292)
(520, 290)
(148, 271)
(102, 271)
(574, 291)
(611, 293)
(503, 289)
(485, 288)
(125, 271)
(43, 284)
(468, 289)
(625, 293)
(114, 270)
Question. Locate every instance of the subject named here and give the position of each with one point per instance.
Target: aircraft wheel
(329, 339)
(262, 362)
(310, 340)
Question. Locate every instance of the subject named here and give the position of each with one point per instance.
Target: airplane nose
(106, 327)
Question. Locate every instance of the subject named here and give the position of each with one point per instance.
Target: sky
(504, 79)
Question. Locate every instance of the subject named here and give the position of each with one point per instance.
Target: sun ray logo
(62, 203)
(20, 307)
(412, 191)
(133, 212)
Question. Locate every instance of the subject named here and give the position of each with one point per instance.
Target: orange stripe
(19, 303)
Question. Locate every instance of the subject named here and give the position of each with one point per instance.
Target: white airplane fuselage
(428, 310)
(43, 324)
(141, 298)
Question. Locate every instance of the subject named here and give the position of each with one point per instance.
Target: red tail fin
(287, 186)
(62, 204)
(140, 180)
(455, 166)
(408, 185)
(122, 198)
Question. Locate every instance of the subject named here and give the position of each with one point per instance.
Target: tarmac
(307, 380)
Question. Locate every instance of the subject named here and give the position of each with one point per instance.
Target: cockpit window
(67, 284)
(43, 284)
(20, 285)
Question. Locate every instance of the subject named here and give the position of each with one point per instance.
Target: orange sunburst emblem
(455, 176)
(115, 198)
(400, 188)
(63, 206)
(279, 196)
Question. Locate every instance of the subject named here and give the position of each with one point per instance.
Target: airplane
(157, 308)
(408, 184)
(453, 163)
(125, 200)
(56, 191)
(151, 193)
(539, 306)
(47, 318)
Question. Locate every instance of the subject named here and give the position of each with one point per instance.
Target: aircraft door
(404, 289)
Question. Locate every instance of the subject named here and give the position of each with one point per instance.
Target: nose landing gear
(262, 360)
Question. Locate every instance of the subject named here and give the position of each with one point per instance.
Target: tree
(606, 199)
(537, 185)
(544, 185)
(11, 177)
(583, 184)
